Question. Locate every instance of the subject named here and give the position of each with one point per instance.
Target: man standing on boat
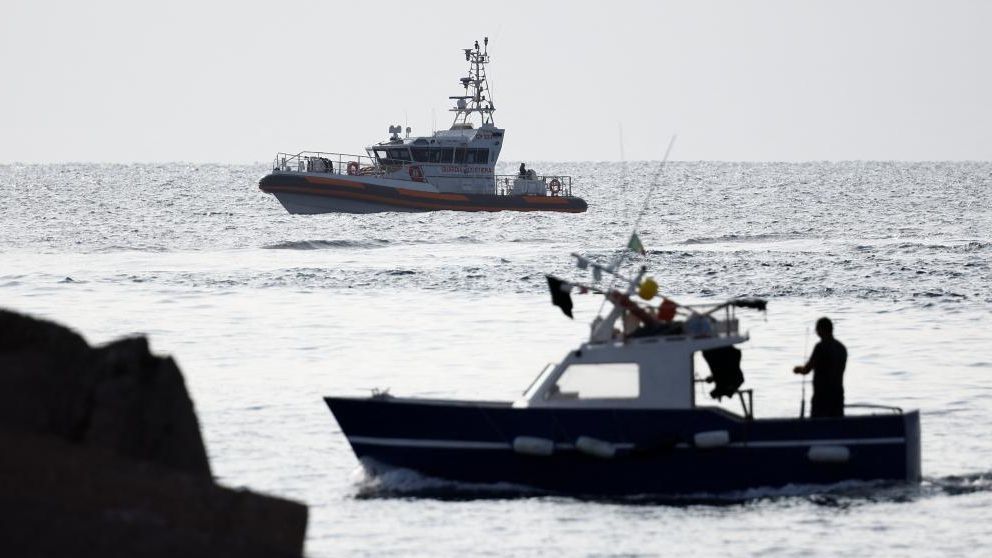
(827, 362)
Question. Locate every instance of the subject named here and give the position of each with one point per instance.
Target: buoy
(598, 448)
(416, 173)
(353, 168)
(648, 289)
(531, 445)
(828, 454)
(711, 439)
(666, 312)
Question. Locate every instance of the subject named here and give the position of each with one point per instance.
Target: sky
(235, 82)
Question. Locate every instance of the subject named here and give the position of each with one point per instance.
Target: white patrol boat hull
(310, 193)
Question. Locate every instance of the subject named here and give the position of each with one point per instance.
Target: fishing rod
(802, 405)
(644, 209)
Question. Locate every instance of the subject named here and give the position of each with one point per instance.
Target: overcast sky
(235, 82)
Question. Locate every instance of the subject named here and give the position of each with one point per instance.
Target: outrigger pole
(644, 208)
(602, 328)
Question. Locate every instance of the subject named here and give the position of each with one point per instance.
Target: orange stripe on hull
(416, 204)
(334, 182)
(550, 200)
(432, 195)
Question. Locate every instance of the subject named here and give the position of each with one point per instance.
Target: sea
(267, 312)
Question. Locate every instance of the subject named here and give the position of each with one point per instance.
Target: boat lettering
(466, 170)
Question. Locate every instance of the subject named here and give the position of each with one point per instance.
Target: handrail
(339, 163)
(344, 163)
(506, 182)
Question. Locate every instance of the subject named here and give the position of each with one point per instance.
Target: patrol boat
(451, 169)
(619, 415)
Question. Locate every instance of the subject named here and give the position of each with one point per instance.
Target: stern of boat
(911, 424)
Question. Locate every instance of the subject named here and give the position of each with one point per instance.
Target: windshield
(547, 368)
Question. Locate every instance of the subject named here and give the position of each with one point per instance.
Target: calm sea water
(267, 312)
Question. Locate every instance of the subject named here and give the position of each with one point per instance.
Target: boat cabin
(649, 361)
(652, 372)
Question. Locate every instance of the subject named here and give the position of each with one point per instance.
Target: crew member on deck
(827, 362)
(523, 170)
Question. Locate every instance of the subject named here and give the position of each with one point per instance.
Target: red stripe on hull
(414, 199)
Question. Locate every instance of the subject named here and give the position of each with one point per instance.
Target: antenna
(644, 209)
(477, 96)
(654, 184)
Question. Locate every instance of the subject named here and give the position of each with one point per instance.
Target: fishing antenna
(654, 185)
(644, 209)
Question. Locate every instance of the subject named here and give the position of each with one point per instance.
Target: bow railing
(326, 162)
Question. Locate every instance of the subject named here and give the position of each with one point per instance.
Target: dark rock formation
(101, 454)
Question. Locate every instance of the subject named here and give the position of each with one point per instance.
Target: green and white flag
(635, 244)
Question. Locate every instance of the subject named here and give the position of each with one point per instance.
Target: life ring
(416, 174)
(353, 168)
(554, 187)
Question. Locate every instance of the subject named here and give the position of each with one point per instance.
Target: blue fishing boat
(619, 415)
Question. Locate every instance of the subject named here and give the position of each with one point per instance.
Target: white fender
(598, 448)
(828, 454)
(711, 439)
(531, 445)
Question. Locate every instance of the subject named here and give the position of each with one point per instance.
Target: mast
(477, 97)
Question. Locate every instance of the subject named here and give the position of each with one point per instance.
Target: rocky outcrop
(102, 455)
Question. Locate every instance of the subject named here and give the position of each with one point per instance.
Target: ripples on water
(863, 230)
(266, 312)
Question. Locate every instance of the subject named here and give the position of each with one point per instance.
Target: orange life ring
(353, 168)
(555, 187)
(416, 174)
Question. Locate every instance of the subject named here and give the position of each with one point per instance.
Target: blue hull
(473, 442)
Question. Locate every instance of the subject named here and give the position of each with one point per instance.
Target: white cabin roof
(660, 367)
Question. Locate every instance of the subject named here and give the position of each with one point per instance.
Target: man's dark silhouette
(827, 362)
(523, 170)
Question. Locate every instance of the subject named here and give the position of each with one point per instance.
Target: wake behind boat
(619, 415)
(452, 169)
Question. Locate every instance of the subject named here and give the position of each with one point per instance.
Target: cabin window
(421, 154)
(436, 155)
(460, 155)
(382, 156)
(477, 156)
(399, 154)
(446, 154)
(610, 380)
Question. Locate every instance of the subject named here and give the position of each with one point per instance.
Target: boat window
(460, 155)
(381, 155)
(421, 154)
(477, 156)
(446, 154)
(399, 154)
(611, 380)
(436, 155)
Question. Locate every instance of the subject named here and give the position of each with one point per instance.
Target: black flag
(560, 297)
(756, 303)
